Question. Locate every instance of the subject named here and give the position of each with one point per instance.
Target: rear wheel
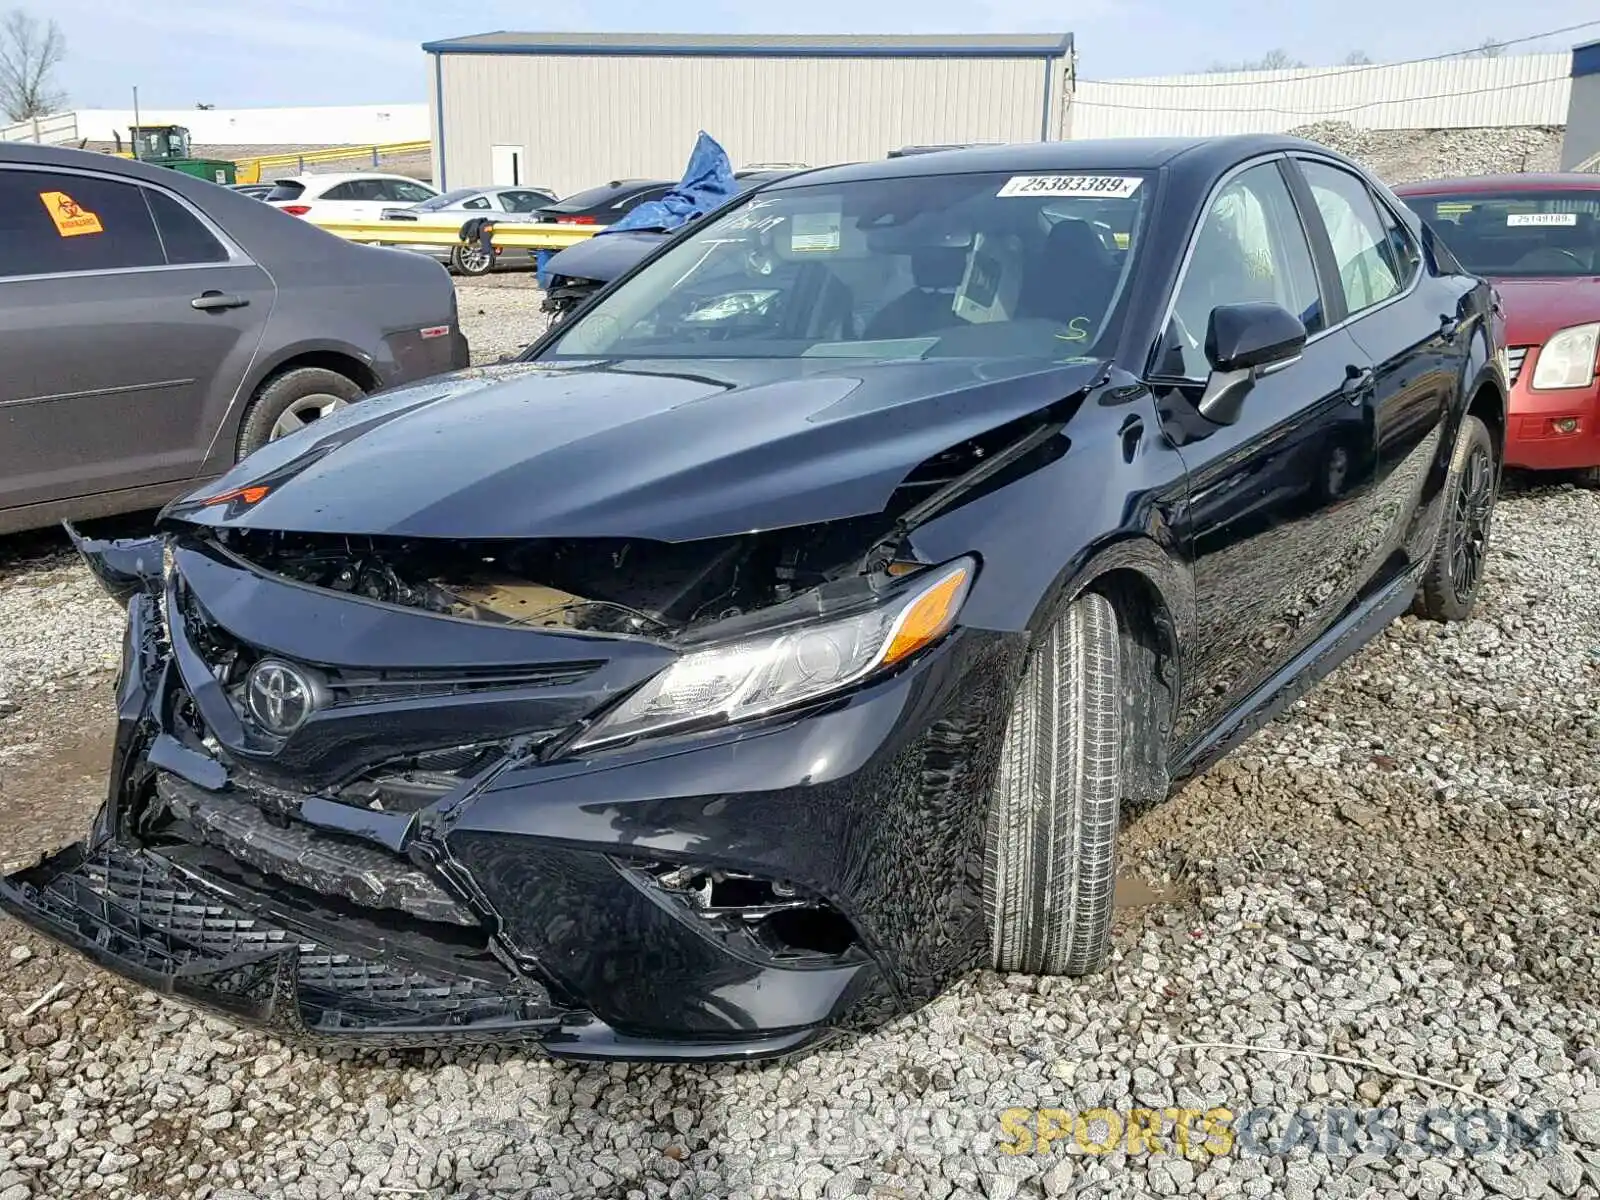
(1589, 477)
(472, 260)
(291, 401)
(1455, 572)
(1050, 849)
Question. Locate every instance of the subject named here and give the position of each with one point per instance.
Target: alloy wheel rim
(304, 411)
(1474, 509)
(474, 259)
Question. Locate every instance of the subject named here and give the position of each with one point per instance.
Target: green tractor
(168, 146)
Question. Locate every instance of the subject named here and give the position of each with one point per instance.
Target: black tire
(1455, 572)
(282, 393)
(1589, 477)
(1050, 851)
(471, 261)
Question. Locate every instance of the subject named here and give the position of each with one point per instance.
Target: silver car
(504, 204)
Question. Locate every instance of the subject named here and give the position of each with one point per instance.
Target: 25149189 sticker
(1523, 220)
(1110, 187)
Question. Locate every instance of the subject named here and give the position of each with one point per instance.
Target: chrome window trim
(1188, 253)
(236, 255)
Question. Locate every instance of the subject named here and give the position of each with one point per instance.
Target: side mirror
(1243, 341)
(1245, 337)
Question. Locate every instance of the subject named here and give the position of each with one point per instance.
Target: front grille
(132, 906)
(1515, 356)
(351, 686)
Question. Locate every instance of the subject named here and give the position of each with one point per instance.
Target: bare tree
(1272, 60)
(1358, 58)
(29, 54)
(1490, 48)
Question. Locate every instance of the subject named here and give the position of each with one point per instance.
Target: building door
(505, 164)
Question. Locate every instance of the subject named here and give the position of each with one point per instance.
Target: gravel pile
(1407, 155)
(1396, 884)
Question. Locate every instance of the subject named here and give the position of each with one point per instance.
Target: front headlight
(747, 678)
(1567, 359)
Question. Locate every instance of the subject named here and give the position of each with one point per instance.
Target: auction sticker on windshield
(815, 231)
(1523, 219)
(1117, 187)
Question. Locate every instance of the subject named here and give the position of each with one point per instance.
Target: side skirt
(1299, 676)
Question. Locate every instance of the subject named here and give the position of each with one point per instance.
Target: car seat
(1072, 277)
(928, 305)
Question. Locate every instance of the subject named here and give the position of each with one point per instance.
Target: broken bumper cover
(737, 894)
(136, 914)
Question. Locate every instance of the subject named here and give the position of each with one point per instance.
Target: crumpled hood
(670, 450)
(1536, 308)
(605, 258)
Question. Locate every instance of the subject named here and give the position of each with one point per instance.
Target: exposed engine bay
(619, 586)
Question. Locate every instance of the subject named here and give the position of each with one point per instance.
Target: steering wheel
(1539, 259)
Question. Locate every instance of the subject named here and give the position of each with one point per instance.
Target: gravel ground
(1395, 882)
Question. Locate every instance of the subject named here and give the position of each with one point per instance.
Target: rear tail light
(574, 220)
(296, 210)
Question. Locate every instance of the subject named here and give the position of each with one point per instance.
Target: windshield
(990, 265)
(1511, 234)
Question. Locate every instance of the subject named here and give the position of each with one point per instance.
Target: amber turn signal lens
(930, 617)
(250, 495)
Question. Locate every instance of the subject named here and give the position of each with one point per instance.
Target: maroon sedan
(1537, 237)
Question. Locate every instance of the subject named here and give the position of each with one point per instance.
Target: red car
(1537, 237)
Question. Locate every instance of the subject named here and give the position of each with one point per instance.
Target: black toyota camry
(780, 636)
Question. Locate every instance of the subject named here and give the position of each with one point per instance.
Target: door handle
(1356, 382)
(215, 301)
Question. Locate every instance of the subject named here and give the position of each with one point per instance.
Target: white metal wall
(1580, 148)
(584, 119)
(1523, 89)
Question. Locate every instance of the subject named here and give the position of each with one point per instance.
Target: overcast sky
(183, 52)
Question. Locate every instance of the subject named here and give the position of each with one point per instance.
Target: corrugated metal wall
(584, 119)
(1522, 89)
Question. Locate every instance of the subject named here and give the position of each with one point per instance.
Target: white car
(345, 197)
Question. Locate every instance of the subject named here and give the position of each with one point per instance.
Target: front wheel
(1050, 848)
(1455, 572)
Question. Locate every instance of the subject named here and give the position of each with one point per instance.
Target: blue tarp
(708, 183)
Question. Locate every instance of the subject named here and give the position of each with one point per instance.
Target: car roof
(343, 177)
(1101, 154)
(1533, 181)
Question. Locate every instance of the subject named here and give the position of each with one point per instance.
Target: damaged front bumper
(415, 865)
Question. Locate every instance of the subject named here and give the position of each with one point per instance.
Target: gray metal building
(570, 110)
(1580, 147)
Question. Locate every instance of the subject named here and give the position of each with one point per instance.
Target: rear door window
(346, 191)
(53, 224)
(186, 240)
(1368, 269)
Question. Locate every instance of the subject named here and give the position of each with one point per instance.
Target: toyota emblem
(280, 697)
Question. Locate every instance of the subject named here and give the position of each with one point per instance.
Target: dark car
(781, 636)
(604, 204)
(578, 272)
(256, 191)
(156, 328)
(1537, 237)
